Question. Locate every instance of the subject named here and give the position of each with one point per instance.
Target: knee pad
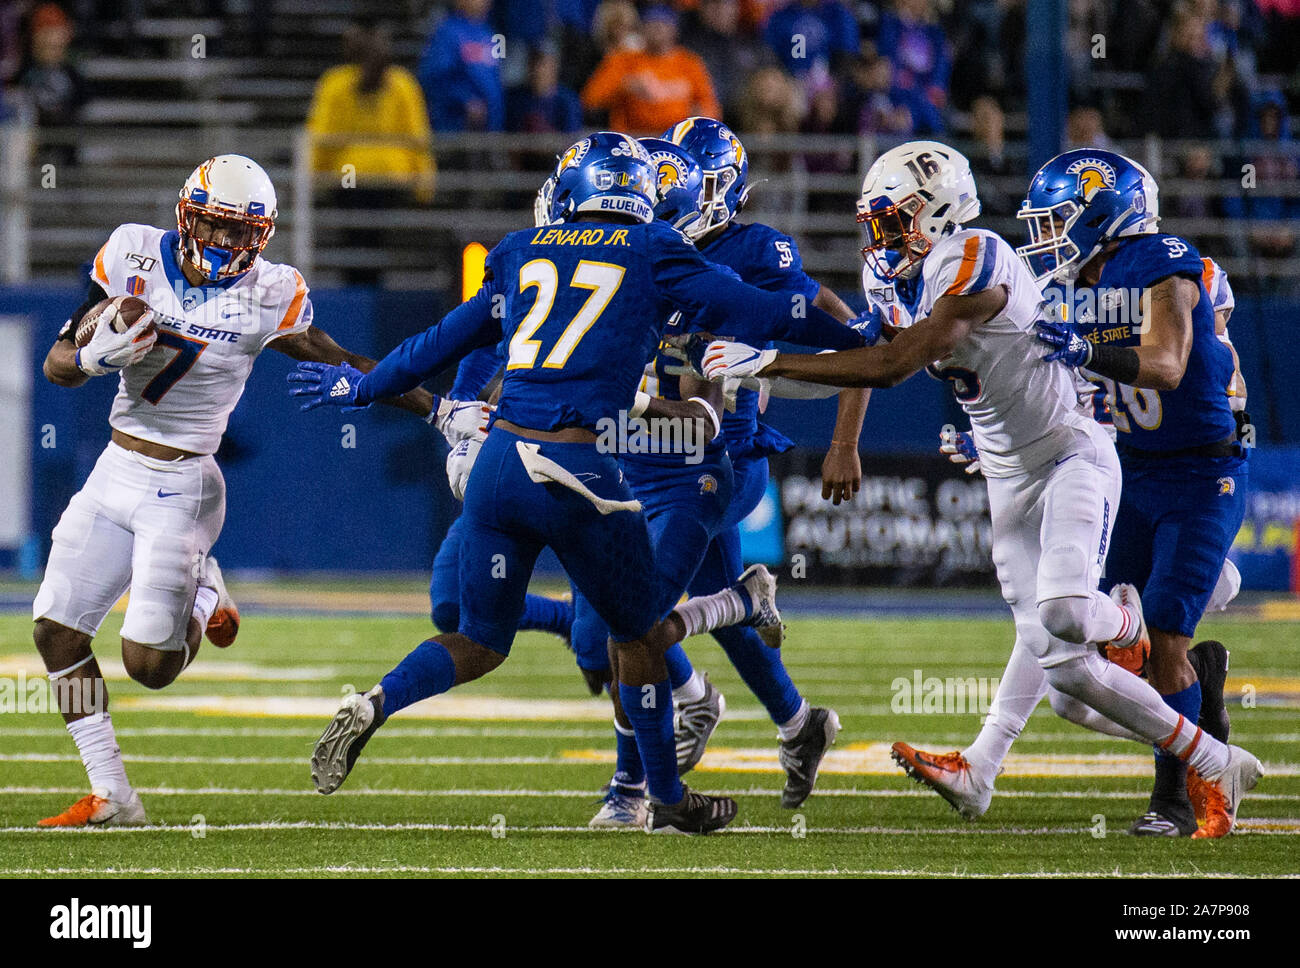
(1065, 570)
(1066, 618)
(155, 626)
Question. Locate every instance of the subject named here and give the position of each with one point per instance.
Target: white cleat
(947, 774)
(621, 810)
(98, 809)
(760, 585)
(1224, 794)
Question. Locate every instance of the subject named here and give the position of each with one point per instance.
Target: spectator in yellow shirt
(370, 113)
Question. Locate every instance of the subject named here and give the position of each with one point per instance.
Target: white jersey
(1021, 408)
(181, 394)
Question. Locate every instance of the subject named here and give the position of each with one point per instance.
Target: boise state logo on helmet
(605, 172)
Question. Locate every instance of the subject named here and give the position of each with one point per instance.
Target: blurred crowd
(1182, 69)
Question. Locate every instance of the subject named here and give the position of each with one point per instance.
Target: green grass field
(501, 777)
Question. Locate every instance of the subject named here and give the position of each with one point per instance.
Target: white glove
(108, 352)
(461, 419)
(725, 359)
(459, 463)
(960, 448)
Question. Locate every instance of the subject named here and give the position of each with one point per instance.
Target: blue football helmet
(1078, 202)
(726, 169)
(679, 181)
(605, 172)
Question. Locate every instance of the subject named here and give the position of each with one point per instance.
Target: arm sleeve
(467, 327)
(722, 305)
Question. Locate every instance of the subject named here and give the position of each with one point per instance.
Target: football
(122, 311)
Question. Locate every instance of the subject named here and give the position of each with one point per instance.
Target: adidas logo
(341, 388)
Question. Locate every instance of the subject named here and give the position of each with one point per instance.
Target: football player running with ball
(155, 502)
(1053, 474)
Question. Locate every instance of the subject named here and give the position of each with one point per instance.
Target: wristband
(639, 404)
(1119, 363)
(713, 414)
(432, 418)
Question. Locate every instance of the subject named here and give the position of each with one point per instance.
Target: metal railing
(803, 184)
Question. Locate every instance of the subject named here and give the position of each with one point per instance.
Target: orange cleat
(947, 774)
(1224, 795)
(98, 810)
(1131, 657)
(1196, 792)
(224, 624)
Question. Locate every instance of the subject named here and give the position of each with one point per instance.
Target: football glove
(1069, 345)
(461, 419)
(725, 359)
(869, 324)
(108, 352)
(324, 384)
(459, 463)
(960, 448)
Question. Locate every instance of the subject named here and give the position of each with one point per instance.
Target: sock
(762, 670)
(544, 614)
(1171, 772)
(709, 612)
(685, 689)
(792, 726)
(101, 755)
(1131, 702)
(628, 771)
(205, 603)
(653, 723)
(1019, 691)
(427, 671)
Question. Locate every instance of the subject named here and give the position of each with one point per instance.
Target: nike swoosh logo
(230, 315)
(103, 361)
(162, 493)
(1064, 459)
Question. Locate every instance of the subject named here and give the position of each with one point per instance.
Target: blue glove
(323, 384)
(868, 323)
(1069, 345)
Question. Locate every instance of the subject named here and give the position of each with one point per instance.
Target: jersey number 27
(602, 278)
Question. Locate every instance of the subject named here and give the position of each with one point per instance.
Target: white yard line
(635, 871)
(592, 795)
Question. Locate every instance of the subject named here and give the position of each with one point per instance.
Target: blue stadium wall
(299, 499)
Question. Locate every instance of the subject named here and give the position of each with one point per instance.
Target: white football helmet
(913, 196)
(226, 215)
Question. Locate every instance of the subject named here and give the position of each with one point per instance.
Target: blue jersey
(475, 372)
(578, 310)
(1196, 412)
(769, 259)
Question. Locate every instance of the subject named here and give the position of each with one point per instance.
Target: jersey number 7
(187, 351)
(602, 278)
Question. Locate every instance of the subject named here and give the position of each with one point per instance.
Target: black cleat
(1210, 661)
(347, 734)
(801, 756)
(1165, 820)
(695, 814)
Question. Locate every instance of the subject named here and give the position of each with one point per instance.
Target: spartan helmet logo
(1093, 174)
(574, 155)
(738, 148)
(667, 175)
